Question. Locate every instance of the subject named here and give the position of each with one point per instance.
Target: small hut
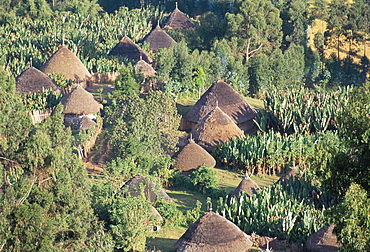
(140, 184)
(212, 232)
(247, 185)
(79, 104)
(128, 49)
(230, 101)
(177, 20)
(33, 80)
(216, 127)
(146, 69)
(323, 240)
(192, 156)
(67, 63)
(158, 39)
(293, 172)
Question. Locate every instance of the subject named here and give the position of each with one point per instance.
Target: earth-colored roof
(192, 156)
(178, 20)
(80, 102)
(230, 101)
(158, 39)
(247, 185)
(212, 232)
(323, 240)
(65, 62)
(128, 49)
(146, 69)
(33, 80)
(85, 123)
(216, 127)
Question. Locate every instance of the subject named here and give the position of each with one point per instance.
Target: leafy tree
(127, 82)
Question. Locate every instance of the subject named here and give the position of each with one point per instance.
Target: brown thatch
(178, 20)
(293, 172)
(80, 102)
(247, 185)
(158, 39)
(65, 62)
(85, 123)
(128, 49)
(212, 232)
(150, 189)
(216, 127)
(323, 240)
(230, 101)
(146, 69)
(192, 156)
(33, 80)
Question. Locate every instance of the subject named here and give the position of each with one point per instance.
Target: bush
(204, 179)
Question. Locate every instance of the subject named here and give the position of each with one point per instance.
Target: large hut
(216, 127)
(192, 156)
(158, 39)
(230, 101)
(247, 185)
(177, 20)
(128, 49)
(212, 232)
(33, 80)
(79, 104)
(139, 184)
(67, 63)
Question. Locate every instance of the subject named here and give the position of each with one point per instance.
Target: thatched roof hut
(80, 102)
(158, 39)
(247, 185)
(293, 172)
(150, 189)
(192, 156)
(177, 20)
(323, 240)
(65, 62)
(230, 101)
(33, 80)
(212, 232)
(128, 49)
(146, 69)
(216, 127)
(85, 123)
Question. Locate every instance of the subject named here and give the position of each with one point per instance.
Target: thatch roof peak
(216, 127)
(146, 69)
(225, 97)
(128, 49)
(157, 39)
(247, 185)
(192, 156)
(33, 80)
(63, 61)
(80, 102)
(212, 232)
(177, 20)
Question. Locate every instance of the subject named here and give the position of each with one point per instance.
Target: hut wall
(85, 148)
(249, 127)
(104, 77)
(186, 125)
(40, 115)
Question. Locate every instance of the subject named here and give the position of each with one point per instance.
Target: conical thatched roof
(212, 232)
(230, 101)
(152, 192)
(80, 102)
(128, 49)
(247, 185)
(215, 128)
(178, 20)
(146, 69)
(192, 156)
(293, 172)
(65, 62)
(33, 80)
(323, 240)
(85, 123)
(157, 39)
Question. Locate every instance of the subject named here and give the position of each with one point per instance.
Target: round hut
(67, 63)
(192, 156)
(128, 49)
(158, 39)
(247, 185)
(33, 80)
(216, 127)
(146, 69)
(177, 20)
(293, 172)
(140, 184)
(323, 240)
(230, 101)
(78, 104)
(212, 232)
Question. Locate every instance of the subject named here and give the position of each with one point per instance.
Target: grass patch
(165, 239)
(186, 200)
